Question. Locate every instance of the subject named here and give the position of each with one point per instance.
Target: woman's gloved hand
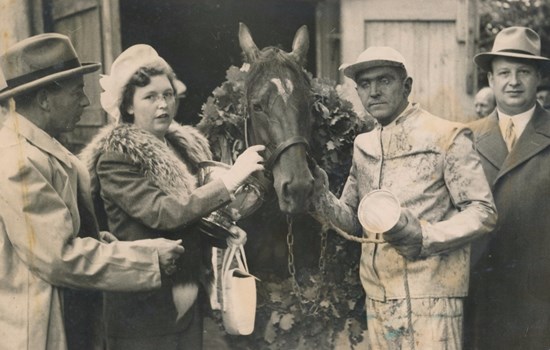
(406, 235)
(247, 163)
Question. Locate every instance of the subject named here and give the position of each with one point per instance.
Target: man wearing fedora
(509, 306)
(48, 230)
(416, 279)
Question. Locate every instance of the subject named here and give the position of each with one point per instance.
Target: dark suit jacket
(510, 282)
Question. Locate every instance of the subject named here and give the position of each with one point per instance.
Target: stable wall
(436, 37)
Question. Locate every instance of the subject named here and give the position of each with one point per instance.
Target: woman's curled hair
(142, 77)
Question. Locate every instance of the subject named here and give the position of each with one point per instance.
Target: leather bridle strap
(282, 147)
(295, 140)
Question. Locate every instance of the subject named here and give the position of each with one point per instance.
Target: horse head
(278, 98)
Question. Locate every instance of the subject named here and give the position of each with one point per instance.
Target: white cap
(374, 56)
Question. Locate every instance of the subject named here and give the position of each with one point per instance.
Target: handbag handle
(234, 252)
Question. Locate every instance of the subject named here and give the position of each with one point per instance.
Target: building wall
(436, 38)
(15, 22)
(81, 21)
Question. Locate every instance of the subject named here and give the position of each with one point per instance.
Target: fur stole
(173, 167)
(173, 174)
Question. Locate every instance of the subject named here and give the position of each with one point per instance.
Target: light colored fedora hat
(374, 56)
(3, 83)
(39, 60)
(123, 68)
(514, 42)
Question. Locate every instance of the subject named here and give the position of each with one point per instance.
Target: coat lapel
(77, 172)
(534, 139)
(38, 137)
(490, 143)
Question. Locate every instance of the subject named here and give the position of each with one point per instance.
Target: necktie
(510, 135)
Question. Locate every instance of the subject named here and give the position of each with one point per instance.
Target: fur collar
(174, 174)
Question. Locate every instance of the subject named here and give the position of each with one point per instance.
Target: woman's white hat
(122, 69)
(180, 87)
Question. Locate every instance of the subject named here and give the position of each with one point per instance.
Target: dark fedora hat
(39, 60)
(514, 42)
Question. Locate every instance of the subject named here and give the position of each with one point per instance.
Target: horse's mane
(273, 60)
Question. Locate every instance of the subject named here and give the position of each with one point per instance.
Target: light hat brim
(85, 68)
(352, 70)
(483, 60)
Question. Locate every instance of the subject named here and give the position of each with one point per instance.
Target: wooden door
(89, 25)
(437, 40)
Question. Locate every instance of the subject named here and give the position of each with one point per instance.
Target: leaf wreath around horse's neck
(279, 322)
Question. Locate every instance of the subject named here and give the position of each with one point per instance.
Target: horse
(278, 102)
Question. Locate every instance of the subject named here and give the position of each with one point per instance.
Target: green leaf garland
(280, 323)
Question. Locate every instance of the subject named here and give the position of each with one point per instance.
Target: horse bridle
(278, 150)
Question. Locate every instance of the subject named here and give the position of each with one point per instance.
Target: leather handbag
(238, 293)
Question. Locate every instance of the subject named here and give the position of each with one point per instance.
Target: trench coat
(510, 286)
(45, 203)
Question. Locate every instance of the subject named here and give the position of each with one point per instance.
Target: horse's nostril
(286, 189)
(290, 189)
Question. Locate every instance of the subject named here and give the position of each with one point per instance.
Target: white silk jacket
(44, 192)
(431, 166)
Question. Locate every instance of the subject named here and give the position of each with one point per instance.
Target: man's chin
(382, 118)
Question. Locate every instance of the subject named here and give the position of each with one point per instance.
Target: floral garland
(280, 322)
(334, 120)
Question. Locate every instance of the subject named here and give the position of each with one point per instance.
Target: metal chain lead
(322, 257)
(315, 303)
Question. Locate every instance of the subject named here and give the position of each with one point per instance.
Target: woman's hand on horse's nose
(255, 148)
(252, 157)
(247, 163)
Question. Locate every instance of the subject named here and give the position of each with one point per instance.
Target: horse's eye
(256, 107)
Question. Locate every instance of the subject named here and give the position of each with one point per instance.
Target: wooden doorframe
(110, 24)
(327, 33)
(328, 36)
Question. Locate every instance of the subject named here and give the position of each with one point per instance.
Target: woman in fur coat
(144, 177)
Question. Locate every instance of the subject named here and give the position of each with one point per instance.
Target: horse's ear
(300, 45)
(251, 51)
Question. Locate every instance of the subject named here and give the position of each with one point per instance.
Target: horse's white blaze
(285, 89)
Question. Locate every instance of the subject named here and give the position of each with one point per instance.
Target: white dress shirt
(520, 121)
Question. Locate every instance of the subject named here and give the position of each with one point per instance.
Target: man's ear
(539, 76)
(42, 99)
(490, 79)
(407, 84)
